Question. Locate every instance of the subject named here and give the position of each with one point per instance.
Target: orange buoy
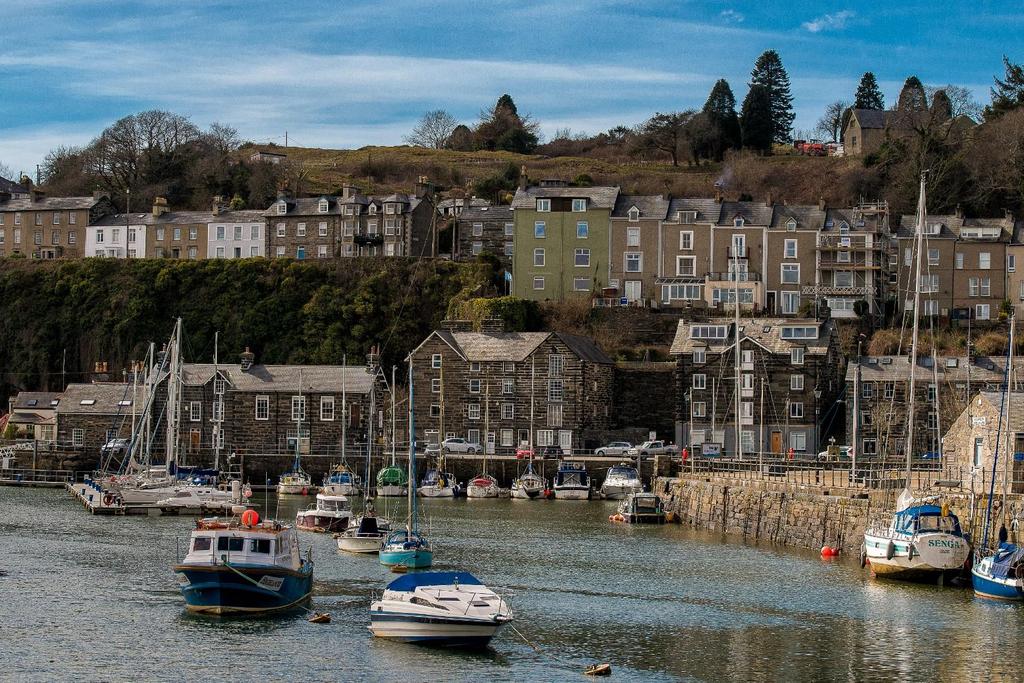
(250, 518)
(828, 551)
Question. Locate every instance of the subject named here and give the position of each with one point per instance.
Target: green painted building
(562, 240)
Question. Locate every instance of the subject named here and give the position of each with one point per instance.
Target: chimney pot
(37, 194)
(768, 200)
(247, 359)
(524, 179)
(821, 203)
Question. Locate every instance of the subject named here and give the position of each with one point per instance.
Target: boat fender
(890, 550)
(911, 550)
(863, 556)
(108, 499)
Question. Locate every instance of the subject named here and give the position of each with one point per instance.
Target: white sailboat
(484, 485)
(529, 485)
(297, 481)
(920, 541)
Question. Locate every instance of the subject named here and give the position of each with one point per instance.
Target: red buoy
(305, 491)
(828, 551)
(250, 518)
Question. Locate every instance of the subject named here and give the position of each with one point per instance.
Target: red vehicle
(811, 148)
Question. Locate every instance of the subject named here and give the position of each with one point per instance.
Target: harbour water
(93, 598)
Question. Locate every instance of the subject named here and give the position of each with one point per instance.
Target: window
(582, 230)
(981, 311)
(556, 364)
(510, 229)
(686, 266)
(17, 235)
(686, 292)
(322, 229)
(972, 286)
(933, 257)
(281, 230)
(39, 219)
(1011, 263)
(262, 407)
(508, 249)
(790, 250)
(632, 237)
(474, 386)
(581, 284)
(507, 366)
(908, 257)
(177, 234)
(279, 251)
(435, 410)
(435, 386)
(986, 286)
(700, 356)
(790, 302)
(538, 283)
(193, 252)
(791, 225)
(323, 206)
(544, 205)
(708, 331)
(540, 229)
(327, 409)
(508, 411)
(300, 230)
(17, 219)
(984, 260)
(72, 218)
(508, 386)
(582, 258)
(538, 258)
(554, 415)
(37, 237)
(842, 257)
(55, 237)
(796, 382)
(321, 251)
(478, 229)
(506, 438)
(737, 222)
(698, 409)
(959, 262)
(686, 240)
(790, 273)
(435, 361)
(78, 437)
(747, 440)
(254, 232)
(579, 205)
(473, 411)
(796, 356)
(867, 390)
(476, 248)
(929, 283)
(844, 278)
(220, 252)
(634, 261)
(798, 441)
(870, 447)
(195, 411)
(700, 381)
(298, 408)
(282, 208)
(217, 411)
(803, 332)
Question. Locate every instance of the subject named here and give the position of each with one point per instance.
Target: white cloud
(829, 22)
(731, 16)
(22, 148)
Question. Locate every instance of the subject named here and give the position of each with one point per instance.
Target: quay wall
(803, 517)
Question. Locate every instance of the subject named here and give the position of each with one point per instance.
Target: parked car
(114, 446)
(652, 448)
(842, 453)
(540, 452)
(457, 444)
(614, 449)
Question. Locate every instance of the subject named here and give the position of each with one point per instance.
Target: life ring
(890, 550)
(108, 499)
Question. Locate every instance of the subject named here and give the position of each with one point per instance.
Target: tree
(960, 100)
(501, 127)
(433, 130)
(1008, 94)
(830, 125)
(664, 133)
(869, 95)
(461, 139)
(756, 119)
(6, 172)
(723, 124)
(769, 73)
(912, 96)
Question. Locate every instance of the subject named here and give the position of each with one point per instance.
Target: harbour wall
(803, 517)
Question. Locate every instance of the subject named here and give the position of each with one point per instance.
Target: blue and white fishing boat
(999, 575)
(407, 547)
(242, 566)
(450, 609)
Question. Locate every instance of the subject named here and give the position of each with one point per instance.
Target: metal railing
(28, 476)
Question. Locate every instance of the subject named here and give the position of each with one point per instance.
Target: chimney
(457, 325)
(160, 206)
(349, 191)
(768, 200)
(373, 358)
(821, 203)
(37, 194)
(218, 205)
(959, 211)
(492, 325)
(247, 359)
(423, 187)
(718, 196)
(524, 179)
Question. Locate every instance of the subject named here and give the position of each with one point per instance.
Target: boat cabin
(267, 543)
(923, 519)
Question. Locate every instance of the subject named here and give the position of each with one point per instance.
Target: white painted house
(236, 234)
(116, 236)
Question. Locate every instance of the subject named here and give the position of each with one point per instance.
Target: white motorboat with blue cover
(439, 608)
(572, 481)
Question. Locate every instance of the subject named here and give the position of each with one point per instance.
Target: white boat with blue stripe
(1000, 576)
(451, 609)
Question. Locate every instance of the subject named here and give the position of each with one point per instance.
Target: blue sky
(346, 73)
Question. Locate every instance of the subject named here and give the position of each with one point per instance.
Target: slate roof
(42, 400)
(486, 213)
(181, 218)
(12, 187)
(766, 332)
(106, 395)
(708, 210)
(464, 202)
(897, 369)
(598, 197)
(953, 224)
(305, 206)
(49, 204)
(808, 217)
(754, 213)
(872, 118)
(650, 206)
(515, 346)
(283, 378)
(1016, 412)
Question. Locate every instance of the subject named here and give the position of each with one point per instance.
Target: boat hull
(429, 630)
(219, 590)
(392, 491)
(936, 556)
(573, 493)
(365, 545)
(526, 492)
(295, 490)
(619, 491)
(997, 588)
(417, 558)
(481, 491)
(436, 491)
(321, 523)
(347, 490)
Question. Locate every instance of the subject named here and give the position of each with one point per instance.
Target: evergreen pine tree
(1008, 93)
(912, 96)
(771, 75)
(724, 123)
(868, 96)
(756, 119)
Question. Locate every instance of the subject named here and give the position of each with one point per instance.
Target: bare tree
(830, 125)
(433, 130)
(6, 172)
(961, 100)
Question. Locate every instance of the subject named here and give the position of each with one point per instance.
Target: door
(565, 441)
(776, 442)
(770, 302)
(633, 290)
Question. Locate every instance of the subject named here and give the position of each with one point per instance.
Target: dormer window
(324, 206)
(737, 222)
(634, 215)
(282, 207)
(844, 228)
(581, 205)
(373, 209)
(791, 224)
(544, 205)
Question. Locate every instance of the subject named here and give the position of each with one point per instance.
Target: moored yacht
(622, 480)
(366, 535)
(330, 514)
(529, 485)
(483, 486)
(642, 508)
(1000, 576)
(571, 481)
(295, 483)
(921, 542)
(439, 608)
(244, 566)
(341, 481)
(436, 484)
(392, 481)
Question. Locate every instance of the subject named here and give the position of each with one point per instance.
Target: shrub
(884, 343)
(991, 344)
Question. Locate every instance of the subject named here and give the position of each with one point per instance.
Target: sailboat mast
(344, 409)
(1009, 455)
(533, 376)
(411, 488)
(394, 368)
(219, 417)
(922, 213)
(487, 420)
(736, 326)
(298, 424)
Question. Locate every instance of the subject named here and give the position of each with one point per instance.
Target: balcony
(744, 276)
(737, 252)
(855, 241)
(369, 239)
(830, 290)
(857, 261)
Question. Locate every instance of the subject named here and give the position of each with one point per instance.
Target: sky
(348, 73)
